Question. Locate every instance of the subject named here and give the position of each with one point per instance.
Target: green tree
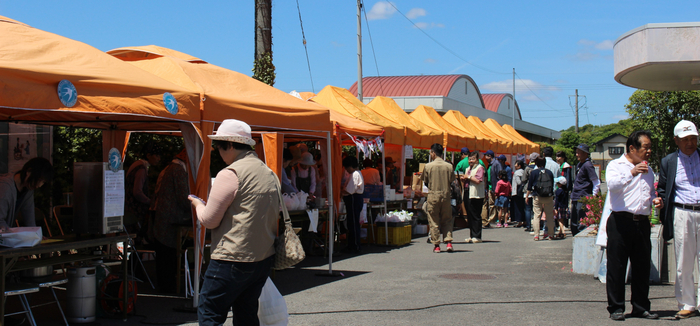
(659, 112)
(569, 139)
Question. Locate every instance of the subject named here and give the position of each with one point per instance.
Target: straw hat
(307, 159)
(234, 131)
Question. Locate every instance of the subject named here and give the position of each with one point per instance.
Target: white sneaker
(532, 233)
(468, 240)
(475, 240)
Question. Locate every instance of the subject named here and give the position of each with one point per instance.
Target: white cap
(685, 128)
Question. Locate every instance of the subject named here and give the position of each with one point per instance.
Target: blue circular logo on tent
(67, 93)
(170, 103)
(115, 160)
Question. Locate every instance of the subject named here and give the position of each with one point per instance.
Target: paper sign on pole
(408, 152)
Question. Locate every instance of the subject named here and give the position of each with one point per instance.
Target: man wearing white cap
(242, 211)
(679, 186)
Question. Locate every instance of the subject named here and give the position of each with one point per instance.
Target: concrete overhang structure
(659, 57)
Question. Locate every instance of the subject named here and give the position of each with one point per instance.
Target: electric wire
(445, 47)
(454, 304)
(303, 37)
(376, 65)
(533, 93)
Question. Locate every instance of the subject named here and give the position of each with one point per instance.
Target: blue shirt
(687, 182)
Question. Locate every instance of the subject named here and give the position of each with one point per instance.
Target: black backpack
(545, 184)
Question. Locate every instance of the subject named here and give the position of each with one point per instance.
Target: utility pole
(576, 111)
(514, 106)
(263, 69)
(359, 50)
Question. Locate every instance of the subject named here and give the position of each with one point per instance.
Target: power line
(303, 37)
(445, 47)
(533, 93)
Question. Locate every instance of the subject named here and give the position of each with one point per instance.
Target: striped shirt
(688, 179)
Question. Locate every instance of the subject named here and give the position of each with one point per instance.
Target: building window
(466, 87)
(616, 150)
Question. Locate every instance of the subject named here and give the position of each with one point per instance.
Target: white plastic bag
(363, 214)
(272, 309)
(21, 237)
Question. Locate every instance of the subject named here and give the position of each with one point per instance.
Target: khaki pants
(488, 212)
(543, 205)
(440, 218)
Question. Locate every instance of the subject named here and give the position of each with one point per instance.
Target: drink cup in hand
(647, 166)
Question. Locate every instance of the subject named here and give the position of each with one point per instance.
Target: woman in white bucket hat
(304, 174)
(242, 211)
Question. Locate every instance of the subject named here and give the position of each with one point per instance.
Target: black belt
(690, 207)
(634, 217)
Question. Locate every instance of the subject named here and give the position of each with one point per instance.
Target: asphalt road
(509, 279)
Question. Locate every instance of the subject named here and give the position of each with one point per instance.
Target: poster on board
(20, 143)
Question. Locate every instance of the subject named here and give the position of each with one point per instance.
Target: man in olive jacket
(438, 177)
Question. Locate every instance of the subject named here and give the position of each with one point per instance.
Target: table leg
(2, 290)
(125, 272)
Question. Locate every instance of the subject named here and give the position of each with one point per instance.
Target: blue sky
(554, 46)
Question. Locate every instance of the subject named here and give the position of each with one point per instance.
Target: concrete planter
(588, 257)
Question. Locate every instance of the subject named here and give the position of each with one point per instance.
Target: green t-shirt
(462, 165)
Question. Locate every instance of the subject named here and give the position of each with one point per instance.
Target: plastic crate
(398, 236)
(374, 193)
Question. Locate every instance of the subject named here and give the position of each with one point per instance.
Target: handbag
(288, 249)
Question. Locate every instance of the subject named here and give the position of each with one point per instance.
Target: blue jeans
(528, 213)
(234, 285)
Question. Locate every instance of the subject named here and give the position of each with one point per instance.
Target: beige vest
(248, 230)
(476, 190)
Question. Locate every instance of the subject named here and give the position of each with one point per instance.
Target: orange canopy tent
(531, 146)
(459, 121)
(503, 146)
(454, 139)
(228, 94)
(49, 79)
(418, 134)
(109, 94)
(341, 100)
(518, 145)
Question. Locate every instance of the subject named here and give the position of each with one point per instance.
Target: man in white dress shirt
(631, 187)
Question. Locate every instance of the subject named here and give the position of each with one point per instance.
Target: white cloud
(521, 85)
(590, 50)
(430, 60)
(620, 117)
(605, 45)
(381, 10)
(423, 25)
(416, 12)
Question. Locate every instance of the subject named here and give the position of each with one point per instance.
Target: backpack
(545, 184)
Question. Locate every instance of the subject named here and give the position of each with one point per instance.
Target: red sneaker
(449, 247)
(437, 249)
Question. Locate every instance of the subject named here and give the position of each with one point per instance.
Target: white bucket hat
(307, 159)
(234, 131)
